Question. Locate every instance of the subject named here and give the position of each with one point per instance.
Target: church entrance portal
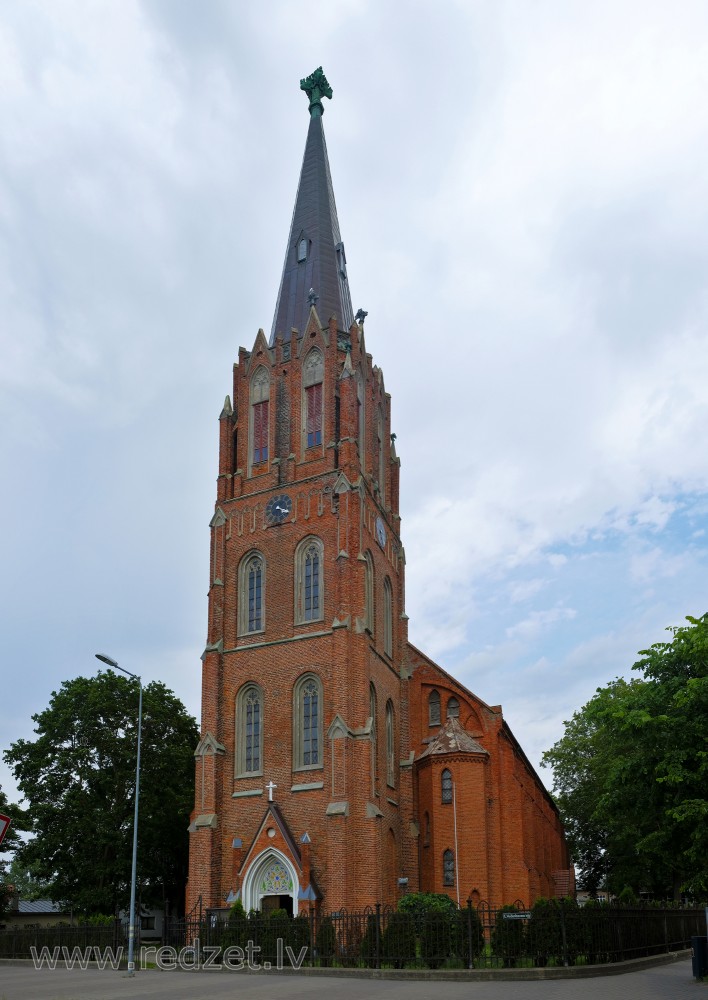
(270, 903)
(271, 883)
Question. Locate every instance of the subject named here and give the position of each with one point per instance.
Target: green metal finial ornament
(316, 87)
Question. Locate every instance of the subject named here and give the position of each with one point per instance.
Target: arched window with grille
(446, 787)
(448, 867)
(312, 409)
(251, 594)
(390, 746)
(309, 581)
(434, 708)
(249, 731)
(260, 416)
(453, 708)
(307, 722)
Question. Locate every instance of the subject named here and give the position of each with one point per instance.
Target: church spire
(315, 263)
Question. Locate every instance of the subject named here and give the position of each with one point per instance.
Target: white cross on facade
(270, 786)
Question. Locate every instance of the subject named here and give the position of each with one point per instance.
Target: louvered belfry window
(260, 432)
(260, 402)
(313, 395)
(313, 375)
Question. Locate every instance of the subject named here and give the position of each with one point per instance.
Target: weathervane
(316, 87)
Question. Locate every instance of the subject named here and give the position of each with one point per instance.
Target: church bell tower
(304, 790)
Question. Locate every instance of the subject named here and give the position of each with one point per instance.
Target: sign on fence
(519, 915)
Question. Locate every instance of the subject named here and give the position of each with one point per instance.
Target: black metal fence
(553, 932)
(64, 940)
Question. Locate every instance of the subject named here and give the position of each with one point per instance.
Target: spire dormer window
(302, 249)
(341, 260)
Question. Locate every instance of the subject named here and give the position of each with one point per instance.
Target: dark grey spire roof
(314, 257)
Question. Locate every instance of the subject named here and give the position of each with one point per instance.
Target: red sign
(4, 826)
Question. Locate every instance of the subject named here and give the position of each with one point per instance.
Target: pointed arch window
(426, 829)
(434, 708)
(307, 719)
(260, 416)
(388, 618)
(309, 581)
(453, 708)
(251, 594)
(369, 592)
(446, 787)
(448, 867)
(313, 378)
(390, 746)
(373, 738)
(249, 730)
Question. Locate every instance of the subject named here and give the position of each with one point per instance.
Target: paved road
(665, 982)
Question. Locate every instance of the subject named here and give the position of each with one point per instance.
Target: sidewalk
(665, 982)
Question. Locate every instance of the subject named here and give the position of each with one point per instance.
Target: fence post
(378, 936)
(469, 934)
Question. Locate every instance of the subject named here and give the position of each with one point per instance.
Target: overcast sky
(523, 194)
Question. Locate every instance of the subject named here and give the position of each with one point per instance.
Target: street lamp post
(131, 923)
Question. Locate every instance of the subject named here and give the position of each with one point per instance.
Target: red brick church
(339, 766)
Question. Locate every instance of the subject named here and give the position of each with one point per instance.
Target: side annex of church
(338, 765)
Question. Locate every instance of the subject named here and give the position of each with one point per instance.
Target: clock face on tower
(380, 532)
(278, 508)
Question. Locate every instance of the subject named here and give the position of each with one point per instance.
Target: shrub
(544, 932)
(367, 948)
(398, 940)
(326, 941)
(507, 939)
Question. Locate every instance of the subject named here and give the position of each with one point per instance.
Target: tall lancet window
(312, 379)
(309, 589)
(390, 746)
(260, 417)
(249, 730)
(307, 718)
(368, 592)
(388, 618)
(374, 745)
(251, 586)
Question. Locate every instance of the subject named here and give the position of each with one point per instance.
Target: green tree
(8, 847)
(78, 777)
(26, 882)
(631, 773)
